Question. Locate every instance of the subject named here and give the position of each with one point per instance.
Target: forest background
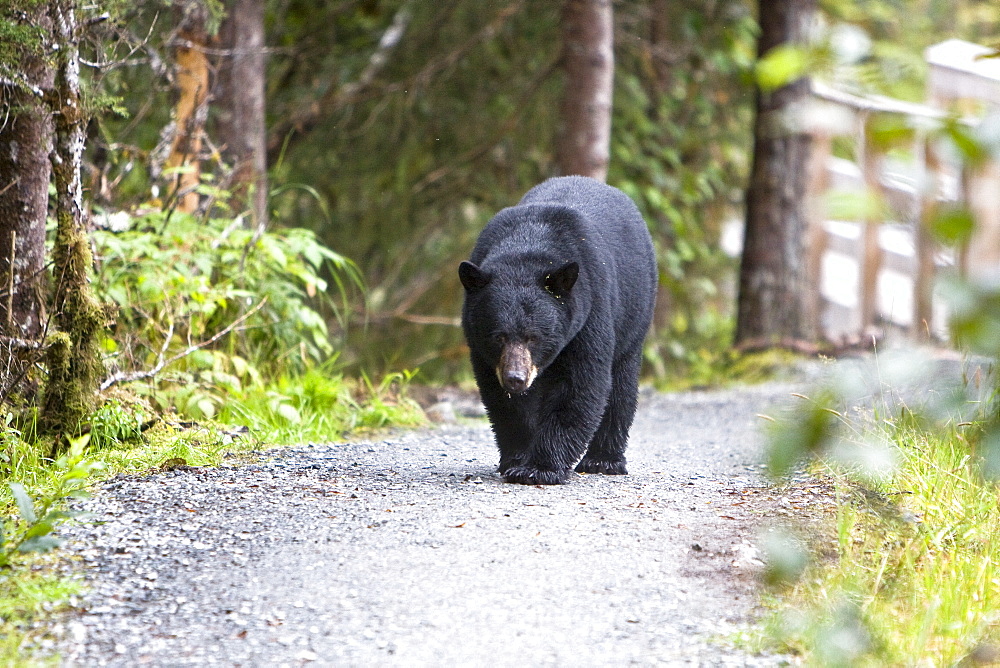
(277, 185)
(251, 213)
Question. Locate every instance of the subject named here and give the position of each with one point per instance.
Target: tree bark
(25, 143)
(238, 103)
(192, 82)
(588, 62)
(774, 280)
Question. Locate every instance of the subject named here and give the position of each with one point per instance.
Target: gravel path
(410, 551)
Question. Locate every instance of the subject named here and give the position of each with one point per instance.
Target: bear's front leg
(509, 416)
(555, 447)
(510, 429)
(531, 474)
(568, 415)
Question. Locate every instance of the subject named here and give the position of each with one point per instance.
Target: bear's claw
(591, 465)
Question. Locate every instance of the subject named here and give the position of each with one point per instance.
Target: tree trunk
(191, 108)
(238, 103)
(774, 280)
(25, 143)
(73, 354)
(588, 61)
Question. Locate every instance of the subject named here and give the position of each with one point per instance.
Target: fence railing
(895, 257)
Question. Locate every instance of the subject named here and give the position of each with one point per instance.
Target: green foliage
(179, 281)
(916, 572)
(33, 531)
(894, 64)
(173, 442)
(321, 405)
(19, 35)
(116, 423)
(680, 151)
(975, 315)
(953, 226)
(782, 65)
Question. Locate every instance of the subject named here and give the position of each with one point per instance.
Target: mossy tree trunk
(73, 353)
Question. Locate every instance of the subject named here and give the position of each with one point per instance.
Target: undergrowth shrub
(321, 404)
(38, 517)
(117, 422)
(180, 282)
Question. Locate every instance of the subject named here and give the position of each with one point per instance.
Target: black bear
(559, 293)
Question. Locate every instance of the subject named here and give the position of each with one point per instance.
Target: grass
(312, 406)
(26, 596)
(915, 579)
(727, 368)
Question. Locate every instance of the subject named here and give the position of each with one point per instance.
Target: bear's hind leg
(606, 453)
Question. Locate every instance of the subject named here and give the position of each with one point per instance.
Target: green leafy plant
(115, 423)
(213, 307)
(178, 280)
(321, 405)
(39, 517)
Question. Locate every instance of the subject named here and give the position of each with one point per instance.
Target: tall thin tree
(238, 104)
(191, 109)
(25, 142)
(588, 63)
(73, 355)
(774, 280)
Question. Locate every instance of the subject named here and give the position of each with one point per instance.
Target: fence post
(817, 183)
(981, 256)
(871, 249)
(923, 280)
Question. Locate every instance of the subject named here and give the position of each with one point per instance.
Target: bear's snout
(516, 370)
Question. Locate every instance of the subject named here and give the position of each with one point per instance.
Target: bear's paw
(529, 475)
(594, 465)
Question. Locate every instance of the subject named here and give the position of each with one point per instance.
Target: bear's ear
(562, 280)
(472, 277)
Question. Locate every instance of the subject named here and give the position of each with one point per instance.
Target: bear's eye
(500, 338)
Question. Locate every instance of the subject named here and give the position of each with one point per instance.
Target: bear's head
(518, 317)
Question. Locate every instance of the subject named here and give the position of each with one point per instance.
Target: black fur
(570, 274)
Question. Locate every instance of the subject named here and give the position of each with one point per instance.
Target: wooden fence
(896, 258)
